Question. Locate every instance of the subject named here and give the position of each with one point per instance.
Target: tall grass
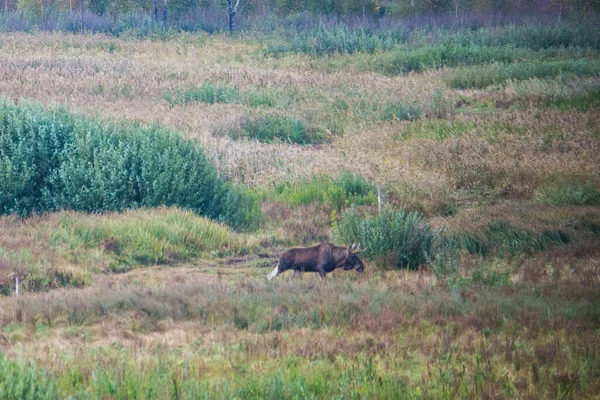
(494, 74)
(271, 128)
(69, 248)
(346, 190)
(569, 193)
(24, 380)
(437, 56)
(53, 160)
(336, 40)
(209, 93)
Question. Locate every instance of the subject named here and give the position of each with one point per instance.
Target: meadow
(148, 184)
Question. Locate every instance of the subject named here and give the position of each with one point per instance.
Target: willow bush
(52, 160)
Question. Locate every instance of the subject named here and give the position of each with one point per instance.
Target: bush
(53, 160)
(209, 93)
(269, 128)
(393, 238)
(23, 380)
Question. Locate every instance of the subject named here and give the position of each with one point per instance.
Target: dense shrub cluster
(52, 160)
(394, 238)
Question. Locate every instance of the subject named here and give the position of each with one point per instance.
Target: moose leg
(295, 273)
(321, 272)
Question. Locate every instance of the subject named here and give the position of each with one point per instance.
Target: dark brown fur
(322, 259)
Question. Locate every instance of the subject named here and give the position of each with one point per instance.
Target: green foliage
(208, 92)
(52, 160)
(494, 74)
(346, 190)
(393, 238)
(270, 128)
(569, 193)
(23, 380)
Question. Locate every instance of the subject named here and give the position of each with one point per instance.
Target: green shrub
(209, 93)
(565, 194)
(494, 74)
(23, 380)
(393, 238)
(269, 128)
(53, 160)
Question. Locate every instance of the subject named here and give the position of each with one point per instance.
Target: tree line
(175, 9)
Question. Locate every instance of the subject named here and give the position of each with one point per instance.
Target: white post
(379, 196)
(17, 286)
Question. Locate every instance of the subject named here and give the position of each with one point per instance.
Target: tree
(155, 16)
(165, 13)
(232, 9)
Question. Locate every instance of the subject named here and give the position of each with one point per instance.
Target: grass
(371, 330)
(68, 249)
(564, 194)
(346, 190)
(490, 191)
(497, 74)
(270, 128)
(207, 93)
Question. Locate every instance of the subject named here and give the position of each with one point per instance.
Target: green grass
(271, 128)
(346, 190)
(70, 248)
(24, 380)
(569, 194)
(335, 40)
(208, 92)
(496, 74)
(585, 102)
(502, 239)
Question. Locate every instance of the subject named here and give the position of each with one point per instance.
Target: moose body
(322, 259)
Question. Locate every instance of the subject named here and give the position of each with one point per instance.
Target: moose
(322, 259)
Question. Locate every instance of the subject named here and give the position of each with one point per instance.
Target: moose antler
(356, 249)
